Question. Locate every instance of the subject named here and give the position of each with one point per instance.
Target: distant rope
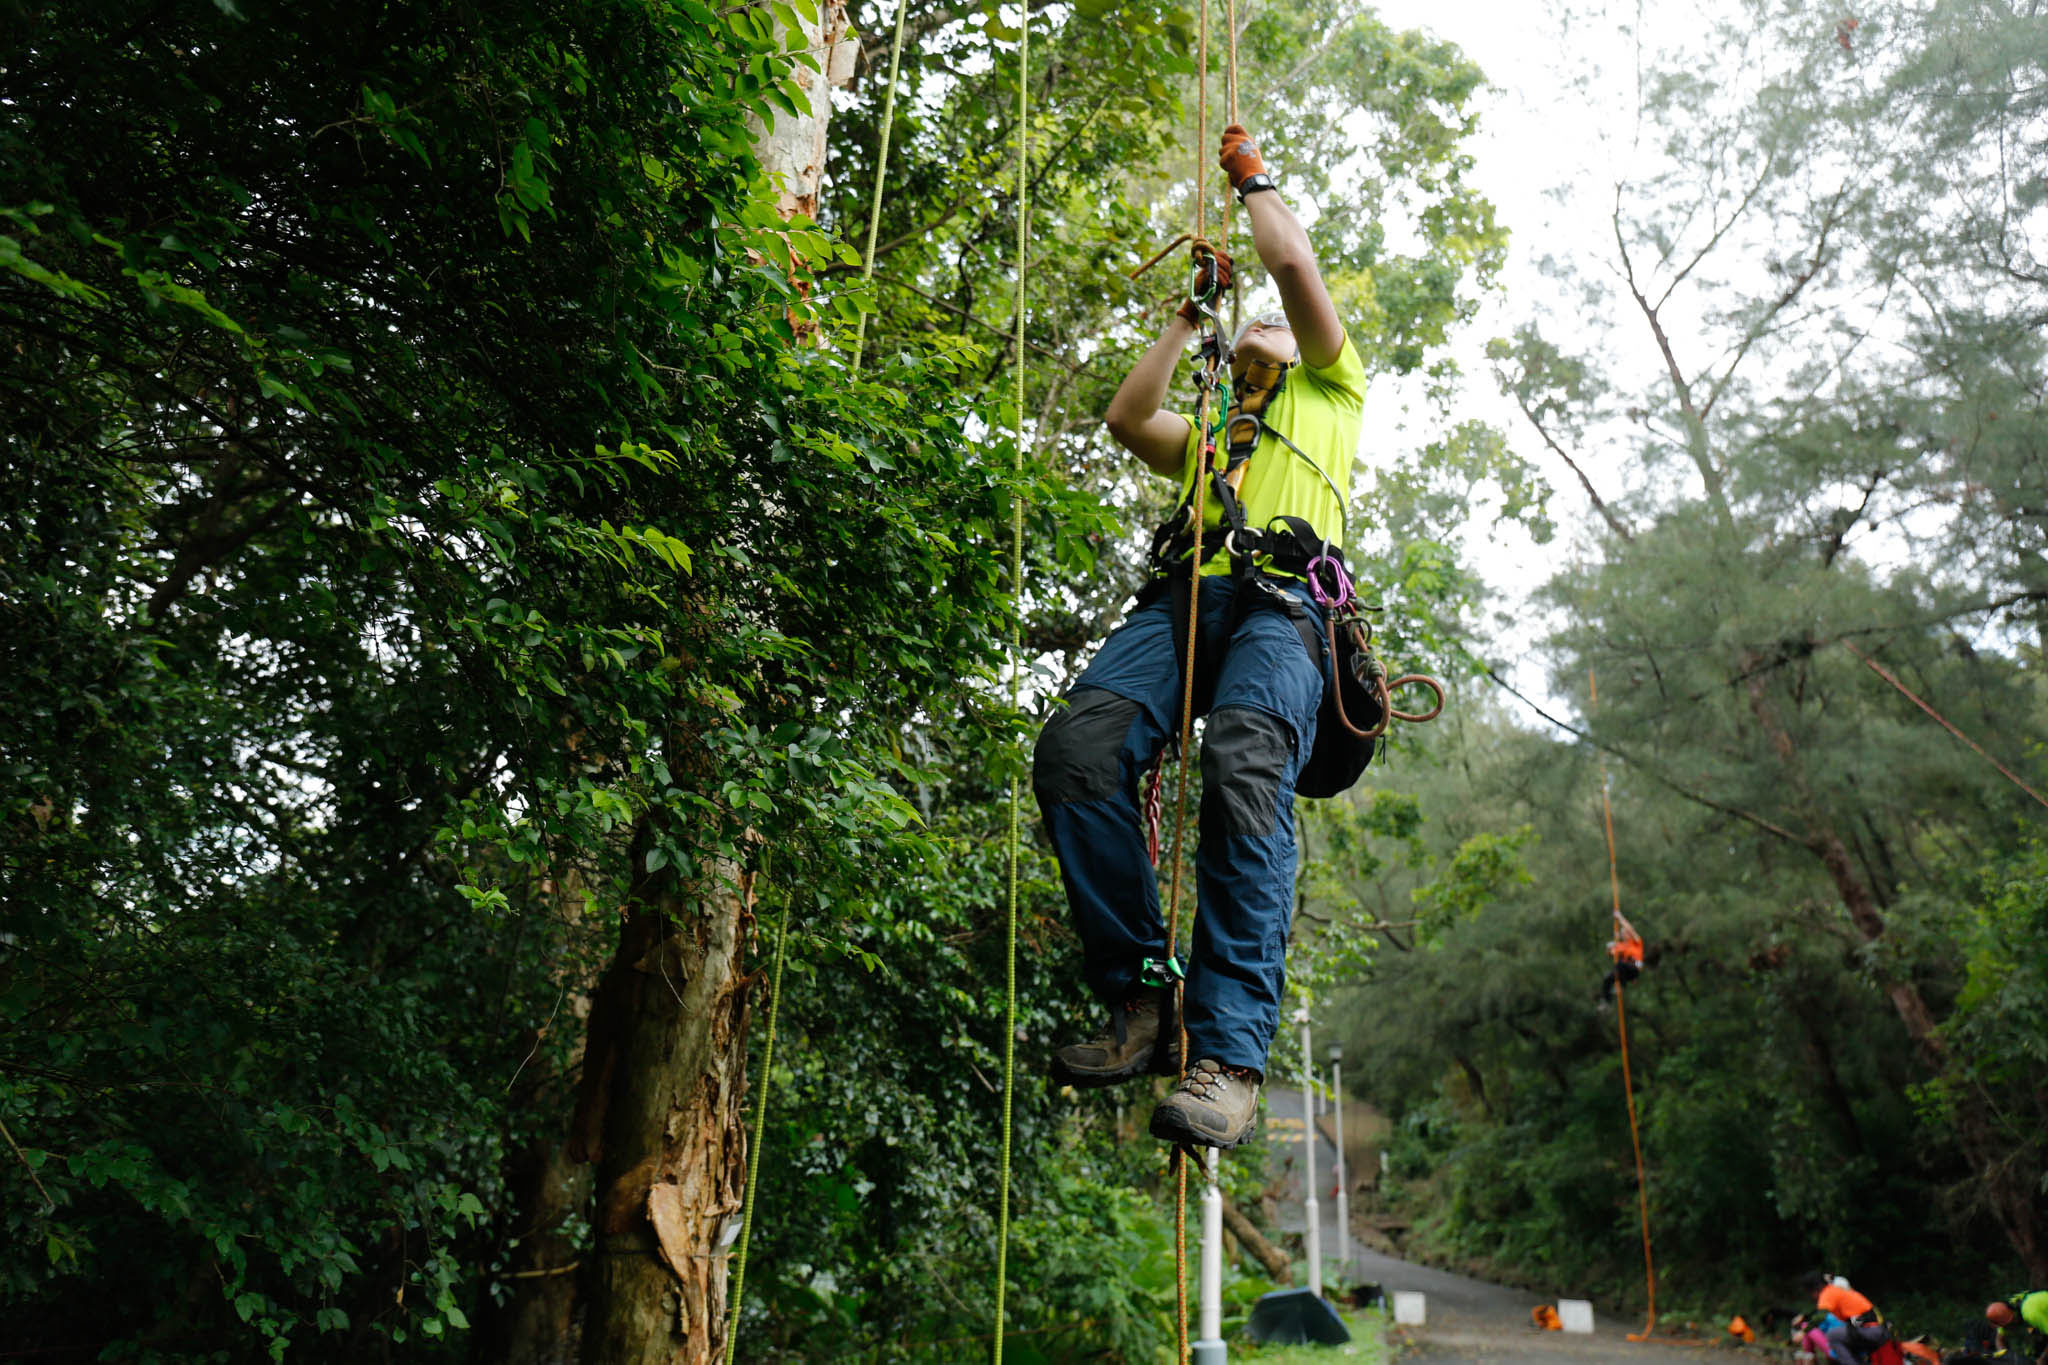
(1628, 1088)
(1887, 675)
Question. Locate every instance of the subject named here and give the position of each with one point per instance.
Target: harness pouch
(1340, 757)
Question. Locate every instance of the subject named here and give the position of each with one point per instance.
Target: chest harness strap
(1259, 558)
(1286, 546)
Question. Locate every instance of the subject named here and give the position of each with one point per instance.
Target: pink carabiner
(1342, 594)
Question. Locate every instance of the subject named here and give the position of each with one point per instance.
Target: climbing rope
(739, 1266)
(1621, 927)
(1016, 650)
(739, 1272)
(1888, 676)
(867, 269)
(1205, 446)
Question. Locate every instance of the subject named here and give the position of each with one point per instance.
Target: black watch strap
(1253, 184)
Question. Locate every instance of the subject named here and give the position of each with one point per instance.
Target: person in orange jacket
(1858, 1328)
(1626, 948)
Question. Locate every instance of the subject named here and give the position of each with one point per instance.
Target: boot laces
(1207, 1080)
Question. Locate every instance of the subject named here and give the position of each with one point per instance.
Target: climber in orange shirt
(1626, 948)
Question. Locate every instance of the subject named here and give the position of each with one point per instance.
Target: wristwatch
(1253, 184)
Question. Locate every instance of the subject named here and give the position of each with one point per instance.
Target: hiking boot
(1213, 1106)
(1143, 1036)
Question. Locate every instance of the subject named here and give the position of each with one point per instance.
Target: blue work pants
(1089, 761)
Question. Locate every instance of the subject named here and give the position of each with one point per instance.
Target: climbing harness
(1357, 702)
(1623, 931)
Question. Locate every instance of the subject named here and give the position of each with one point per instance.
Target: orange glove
(1240, 156)
(1188, 309)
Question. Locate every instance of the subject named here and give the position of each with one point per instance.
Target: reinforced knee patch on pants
(1244, 757)
(1077, 755)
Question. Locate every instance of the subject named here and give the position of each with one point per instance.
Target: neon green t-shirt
(1323, 412)
(2033, 1309)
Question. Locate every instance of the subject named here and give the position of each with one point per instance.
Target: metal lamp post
(1343, 1186)
(1211, 1350)
(1313, 1210)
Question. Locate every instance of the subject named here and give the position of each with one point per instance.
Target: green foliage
(1998, 1027)
(425, 533)
(421, 536)
(1828, 396)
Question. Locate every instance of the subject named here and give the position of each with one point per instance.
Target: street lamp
(1311, 1207)
(1343, 1189)
(1210, 1348)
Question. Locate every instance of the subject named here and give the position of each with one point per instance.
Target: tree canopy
(458, 585)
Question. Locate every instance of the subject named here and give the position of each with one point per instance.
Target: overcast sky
(1552, 133)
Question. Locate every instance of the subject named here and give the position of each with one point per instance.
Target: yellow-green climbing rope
(739, 1269)
(1016, 650)
(867, 269)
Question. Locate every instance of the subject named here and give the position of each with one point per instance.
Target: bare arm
(1285, 252)
(1135, 418)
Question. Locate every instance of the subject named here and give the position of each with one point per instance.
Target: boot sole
(1168, 1126)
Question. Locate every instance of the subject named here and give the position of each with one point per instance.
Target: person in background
(1626, 948)
(1858, 1328)
(1809, 1342)
(2023, 1317)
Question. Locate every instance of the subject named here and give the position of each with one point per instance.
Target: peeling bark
(670, 1143)
(793, 151)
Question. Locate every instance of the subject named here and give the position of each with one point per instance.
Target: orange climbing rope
(1623, 930)
(1185, 731)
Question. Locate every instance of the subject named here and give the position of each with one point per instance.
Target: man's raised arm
(1284, 250)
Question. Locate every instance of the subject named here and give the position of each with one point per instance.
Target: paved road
(1471, 1322)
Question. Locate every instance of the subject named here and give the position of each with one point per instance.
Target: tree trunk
(2007, 1179)
(661, 1113)
(1278, 1269)
(540, 1321)
(665, 1072)
(793, 151)
(538, 1326)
